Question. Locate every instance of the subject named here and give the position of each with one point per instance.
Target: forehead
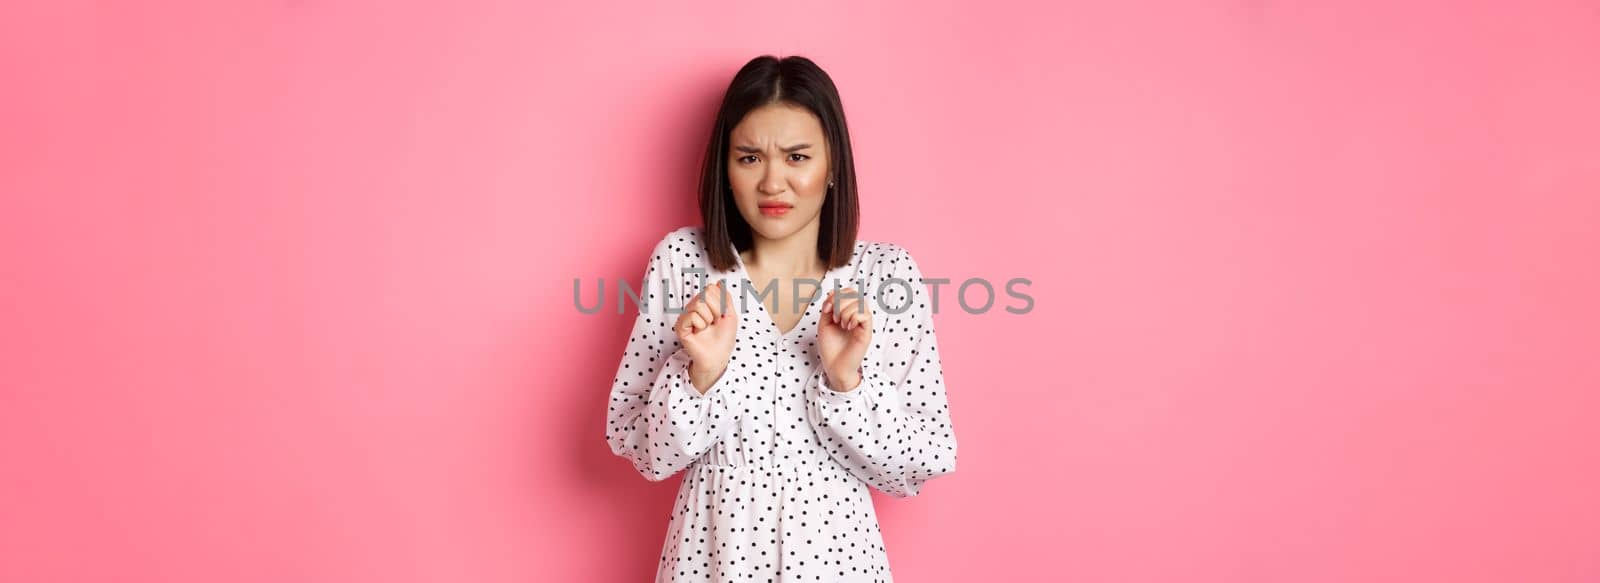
(777, 122)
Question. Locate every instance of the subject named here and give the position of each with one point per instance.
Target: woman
(780, 411)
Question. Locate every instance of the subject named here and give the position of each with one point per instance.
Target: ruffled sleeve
(893, 430)
(656, 418)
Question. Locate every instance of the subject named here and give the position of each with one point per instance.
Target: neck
(792, 256)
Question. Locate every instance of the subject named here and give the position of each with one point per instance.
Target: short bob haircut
(765, 80)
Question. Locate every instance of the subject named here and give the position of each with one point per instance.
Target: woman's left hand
(843, 337)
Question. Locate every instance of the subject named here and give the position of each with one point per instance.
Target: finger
(862, 315)
(708, 309)
(851, 300)
(862, 320)
(861, 303)
(847, 308)
(703, 309)
(714, 300)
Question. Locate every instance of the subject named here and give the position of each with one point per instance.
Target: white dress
(775, 463)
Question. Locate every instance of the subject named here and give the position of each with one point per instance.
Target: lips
(775, 209)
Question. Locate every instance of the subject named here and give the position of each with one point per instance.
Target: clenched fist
(707, 329)
(844, 336)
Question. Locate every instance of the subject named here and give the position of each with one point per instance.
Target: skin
(778, 152)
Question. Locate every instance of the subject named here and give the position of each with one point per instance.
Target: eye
(743, 158)
(802, 157)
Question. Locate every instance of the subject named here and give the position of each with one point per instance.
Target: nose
(771, 180)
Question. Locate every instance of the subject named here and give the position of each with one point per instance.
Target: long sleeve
(892, 431)
(656, 418)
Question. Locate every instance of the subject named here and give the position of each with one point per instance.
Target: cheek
(810, 181)
(816, 186)
(737, 176)
(743, 185)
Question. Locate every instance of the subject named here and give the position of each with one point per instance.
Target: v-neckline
(772, 324)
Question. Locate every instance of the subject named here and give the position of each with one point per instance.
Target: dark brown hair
(764, 80)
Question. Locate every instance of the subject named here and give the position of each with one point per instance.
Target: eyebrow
(755, 150)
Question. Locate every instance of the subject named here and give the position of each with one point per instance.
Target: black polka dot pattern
(775, 464)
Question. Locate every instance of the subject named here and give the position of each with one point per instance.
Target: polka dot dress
(776, 464)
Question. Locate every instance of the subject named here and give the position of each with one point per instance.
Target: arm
(656, 418)
(892, 430)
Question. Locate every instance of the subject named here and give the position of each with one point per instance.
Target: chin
(770, 228)
(770, 231)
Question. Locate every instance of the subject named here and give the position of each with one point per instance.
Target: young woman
(780, 411)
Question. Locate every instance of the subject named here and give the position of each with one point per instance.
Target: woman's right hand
(707, 329)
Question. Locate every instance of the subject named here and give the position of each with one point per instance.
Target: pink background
(288, 286)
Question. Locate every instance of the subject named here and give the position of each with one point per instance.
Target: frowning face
(778, 168)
